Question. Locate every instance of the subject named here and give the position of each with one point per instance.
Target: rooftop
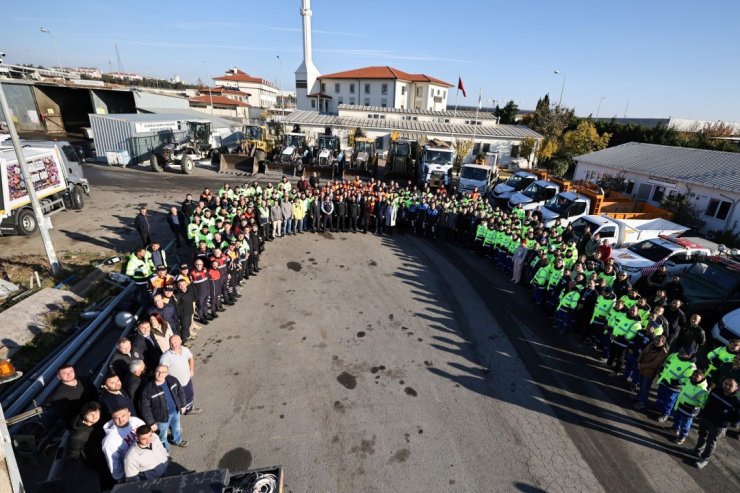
(384, 72)
(236, 75)
(714, 169)
(417, 127)
(217, 100)
(482, 115)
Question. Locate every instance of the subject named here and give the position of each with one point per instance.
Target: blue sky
(667, 58)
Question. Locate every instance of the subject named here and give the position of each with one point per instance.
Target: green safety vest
(541, 276)
(138, 269)
(208, 238)
(626, 327)
(609, 278)
(693, 395)
(569, 262)
(676, 371)
(720, 356)
(612, 320)
(193, 229)
(628, 302)
(490, 237)
(480, 232)
(556, 274)
(603, 307)
(569, 300)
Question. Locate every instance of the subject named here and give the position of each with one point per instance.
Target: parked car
(727, 327)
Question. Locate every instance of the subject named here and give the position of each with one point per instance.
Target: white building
(380, 123)
(381, 86)
(91, 72)
(711, 179)
(262, 93)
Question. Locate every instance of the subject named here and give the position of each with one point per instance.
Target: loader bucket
(231, 163)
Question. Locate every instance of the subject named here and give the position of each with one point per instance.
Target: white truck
(675, 253)
(520, 180)
(535, 195)
(435, 164)
(480, 176)
(624, 232)
(57, 177)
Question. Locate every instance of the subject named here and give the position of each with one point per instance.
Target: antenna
(118, 58)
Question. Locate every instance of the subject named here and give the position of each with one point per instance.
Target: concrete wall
(646, 185)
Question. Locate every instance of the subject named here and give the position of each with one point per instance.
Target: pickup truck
(675, 253)
(480, 176)
(520, 180)
(536, 194)
(624, 232)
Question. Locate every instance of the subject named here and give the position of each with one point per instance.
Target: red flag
(460, 87)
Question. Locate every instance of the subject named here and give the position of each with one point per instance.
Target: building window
(313, 103)
(418, 91)
(515, 151)
(630, 187)
(323, 87)
(658, 194)
(352, 101)
(336, 88)
(718, 209)
(340, 100)
(352, 88)
(403, 90)
(384, 103)
(367, 101)
(384, 89)
(367, 88)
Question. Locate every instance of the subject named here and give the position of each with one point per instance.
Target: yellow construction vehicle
(401, 163)
(257, 148)
(364, 159)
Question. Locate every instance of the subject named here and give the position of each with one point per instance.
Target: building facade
(261, 92)
(710, 179)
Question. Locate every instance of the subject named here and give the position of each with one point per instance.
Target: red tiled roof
(217, 100)
(384, 72)
(243, 77)
(222, 90)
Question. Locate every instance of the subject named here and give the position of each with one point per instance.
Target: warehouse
(711, 179)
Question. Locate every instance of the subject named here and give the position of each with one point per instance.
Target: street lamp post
(56, 48)
(599, 108)
(280, 89)
(210, 92)
(562, 88)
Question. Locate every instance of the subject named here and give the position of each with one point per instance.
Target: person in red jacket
(606, 250)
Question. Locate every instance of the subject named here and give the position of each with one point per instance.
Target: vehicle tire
(78, 197)
(27, 224)
(187, 166)
(154, 163)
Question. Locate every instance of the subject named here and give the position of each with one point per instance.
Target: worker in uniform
(689, 403)
(676, 372)
(612, 320)
(234, 270)
(623, 332)
(219, 262)
(556, 273)
(155, 255)
(200, 284)
(722, 411)
(140, 272)
(539, 281)
(566, 308)
(256, 244)
(160, 280)
(204, 236)
(193, 229)
(722, 355)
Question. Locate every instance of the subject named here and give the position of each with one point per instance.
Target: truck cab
(536, 194)
(565, 205)
(675, 253)
(480, 176)
(516, 182)
(436, 164)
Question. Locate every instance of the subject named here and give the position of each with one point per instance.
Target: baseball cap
(161, 267)
(184, 266)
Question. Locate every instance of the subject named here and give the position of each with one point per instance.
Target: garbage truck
(57, 178)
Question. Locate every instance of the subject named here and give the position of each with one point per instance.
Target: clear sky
(665, 57)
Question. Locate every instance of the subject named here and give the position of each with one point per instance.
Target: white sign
(147, 127)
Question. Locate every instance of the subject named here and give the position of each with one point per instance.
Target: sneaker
(701, 463)
(193, 411)
(639, 406)
(680, 440)
(183, 444)
(662, 419)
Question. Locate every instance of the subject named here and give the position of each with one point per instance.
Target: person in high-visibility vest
(722, 355)
(625, 329)
(690, 401)
(677, 370)
(569, 299)
(612, 319)
(539, 281)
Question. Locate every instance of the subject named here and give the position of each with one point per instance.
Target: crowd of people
(640, 332)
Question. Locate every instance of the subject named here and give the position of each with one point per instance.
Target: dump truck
(436, 163)
(624, 232)
(481, 176)
(401, 163)
(57, 177)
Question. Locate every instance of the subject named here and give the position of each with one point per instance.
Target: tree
(583, 140)
(548, 149)
(718, 129)
(507, 114)
(551, 123)
(462, 148)
(526, 147)
(683, 209)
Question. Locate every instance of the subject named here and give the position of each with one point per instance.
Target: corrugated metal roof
(715, 169)
(497, 131)
(482, 115)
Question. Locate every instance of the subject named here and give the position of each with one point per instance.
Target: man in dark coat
(141, 224)
(177, 222)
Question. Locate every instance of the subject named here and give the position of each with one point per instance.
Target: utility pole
(51, 254)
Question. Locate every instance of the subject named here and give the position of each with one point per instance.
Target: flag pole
(477, 112)
(454, 116)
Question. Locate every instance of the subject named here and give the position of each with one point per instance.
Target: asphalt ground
(364, 363)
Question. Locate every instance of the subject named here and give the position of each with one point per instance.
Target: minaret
(306, 75)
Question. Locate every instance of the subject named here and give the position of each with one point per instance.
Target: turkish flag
(460, 87)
